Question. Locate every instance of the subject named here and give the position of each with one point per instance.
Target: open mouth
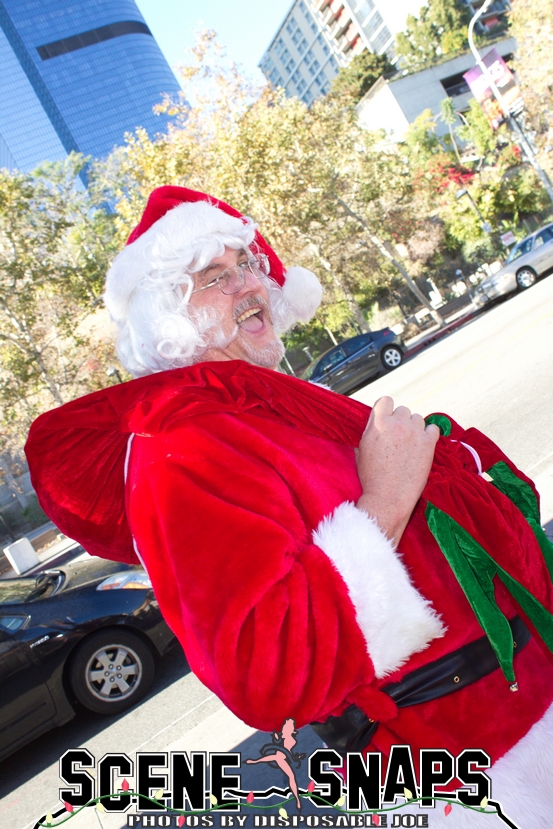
(252, 321)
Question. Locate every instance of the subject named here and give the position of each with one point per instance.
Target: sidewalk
(55, 553)
(435, 333)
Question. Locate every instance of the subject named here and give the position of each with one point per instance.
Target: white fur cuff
(395, 619)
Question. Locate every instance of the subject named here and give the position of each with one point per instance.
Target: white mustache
(253, 302)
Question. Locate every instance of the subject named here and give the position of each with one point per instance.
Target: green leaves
(55, 244)
(440, 29)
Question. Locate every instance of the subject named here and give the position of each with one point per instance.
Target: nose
(251, 283)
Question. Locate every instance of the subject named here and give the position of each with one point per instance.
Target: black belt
(353, 730)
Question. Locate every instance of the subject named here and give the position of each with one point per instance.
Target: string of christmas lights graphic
(246, 800)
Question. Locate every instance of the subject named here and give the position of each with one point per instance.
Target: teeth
(249, 313)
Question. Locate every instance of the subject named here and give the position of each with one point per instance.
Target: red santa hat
(301, 290)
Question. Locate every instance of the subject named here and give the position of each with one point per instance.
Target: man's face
(250, 336)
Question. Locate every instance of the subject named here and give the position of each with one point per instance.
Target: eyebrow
(241, 252)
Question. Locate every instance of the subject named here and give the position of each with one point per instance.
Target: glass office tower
(76, 76)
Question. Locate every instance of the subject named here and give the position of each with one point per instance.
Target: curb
(434, 336)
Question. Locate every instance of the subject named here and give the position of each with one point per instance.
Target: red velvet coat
(238, 483)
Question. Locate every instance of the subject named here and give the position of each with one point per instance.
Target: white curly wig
(149, 285)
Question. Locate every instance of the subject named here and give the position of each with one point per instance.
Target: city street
(495, 373)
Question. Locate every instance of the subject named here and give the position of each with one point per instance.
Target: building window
(291, 65)
(334, 63)
(285, 57)
(365, 9)
(373, 24)
(279, 46)
(90, 37)
(323, 44)
(314, 68)
(321, 80)
(303, 7)
(302, 46)
(381, 39)
(308, 98)
(291, 25)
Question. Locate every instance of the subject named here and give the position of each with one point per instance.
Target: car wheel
(391, 357)
(526, 278)
(111, 670)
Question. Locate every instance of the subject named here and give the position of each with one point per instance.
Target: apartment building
(317, 37)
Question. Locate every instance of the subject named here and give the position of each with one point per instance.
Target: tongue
(252, 325)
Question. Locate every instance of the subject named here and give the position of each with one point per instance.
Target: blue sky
(245, 27)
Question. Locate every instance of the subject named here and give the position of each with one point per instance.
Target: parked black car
(350, 364)
(88, 633)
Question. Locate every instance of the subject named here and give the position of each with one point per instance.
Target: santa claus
(369, 572)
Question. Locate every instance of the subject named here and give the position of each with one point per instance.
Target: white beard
(267, 357)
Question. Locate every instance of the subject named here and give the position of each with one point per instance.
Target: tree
(354, 80)
(449, 117)
(478, 133)
(53, 256)
(532, 25)
(440, 29)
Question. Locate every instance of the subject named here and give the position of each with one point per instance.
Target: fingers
(403, 411)
(418, 420)
(433, 431)
(384, 407)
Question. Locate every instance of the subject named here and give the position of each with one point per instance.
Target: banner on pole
(503, 79)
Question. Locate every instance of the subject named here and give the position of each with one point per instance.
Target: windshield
(524, 247)
(307, 373)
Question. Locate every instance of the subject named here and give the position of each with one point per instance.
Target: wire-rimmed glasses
(232, 279)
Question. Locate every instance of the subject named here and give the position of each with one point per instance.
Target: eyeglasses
(232, 279)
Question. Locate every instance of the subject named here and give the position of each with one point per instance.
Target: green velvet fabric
(475, 568)
(523, 496)
(442, 421)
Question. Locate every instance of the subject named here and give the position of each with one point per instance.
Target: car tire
(526, 278)
(391, 357)
(111, 671)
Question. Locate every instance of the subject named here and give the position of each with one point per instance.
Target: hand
(393, 463)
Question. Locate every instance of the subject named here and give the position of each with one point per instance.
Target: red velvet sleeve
(264, 617)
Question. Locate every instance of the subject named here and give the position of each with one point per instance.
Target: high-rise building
(76, 76)
(317, 37)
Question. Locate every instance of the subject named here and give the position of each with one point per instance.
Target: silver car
(527, 261)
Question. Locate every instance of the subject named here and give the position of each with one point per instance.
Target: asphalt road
(495, 373)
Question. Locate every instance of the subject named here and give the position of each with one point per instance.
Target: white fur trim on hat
(181, 238)
(303, 292)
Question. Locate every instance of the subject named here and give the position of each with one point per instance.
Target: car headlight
(126, 581)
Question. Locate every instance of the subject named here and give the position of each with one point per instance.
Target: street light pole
(513, 123)
(486, 226)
